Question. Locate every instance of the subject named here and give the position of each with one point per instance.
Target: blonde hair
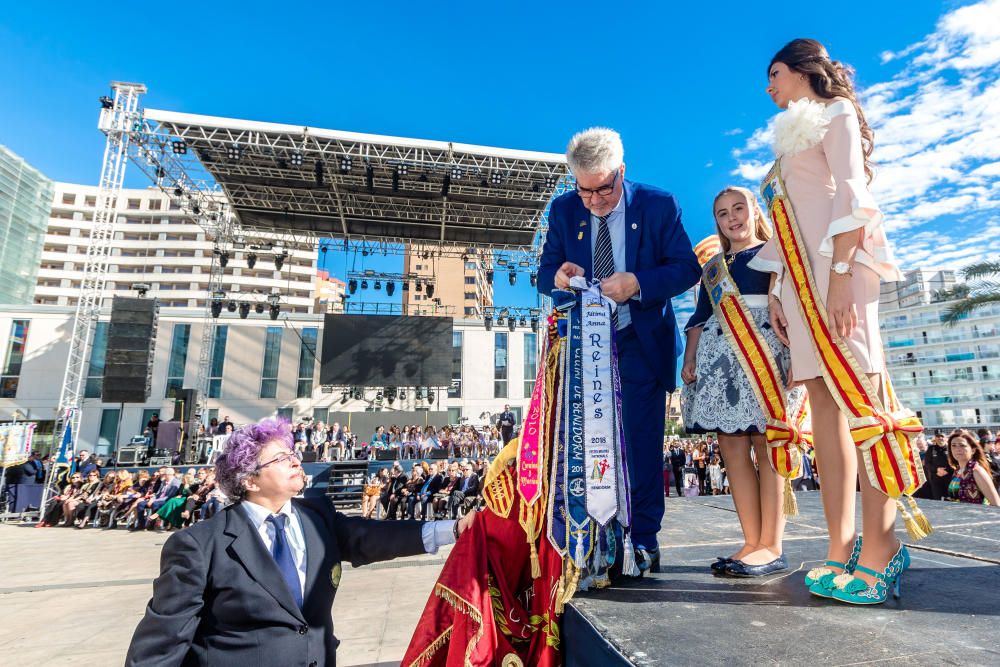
(761, 227)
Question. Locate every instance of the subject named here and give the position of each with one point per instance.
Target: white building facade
(948, 374)
(261, 368)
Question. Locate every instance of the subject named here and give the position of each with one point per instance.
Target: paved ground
(73, 597)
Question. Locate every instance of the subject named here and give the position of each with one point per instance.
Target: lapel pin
(579, 237)
(635, 226)
(583, 223)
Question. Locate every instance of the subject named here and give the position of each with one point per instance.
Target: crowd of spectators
(334, 442)
(961, 466)
(431, 490)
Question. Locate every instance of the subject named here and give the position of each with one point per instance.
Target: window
(470, 295)
(321, 415)
(69, 198)
(307, 363)
(470, 266)
(218, 360)
(284, 413)
(178, 358)
(470, 280)
(15, 356)
(454, 415)
(455, 390)
(95, 372)
(109, 431)
(530, 362)
(147, 414)
(470, 311)
(90, 201)
(269, 371)
(133, 204)
(500, 365)
(155, 204)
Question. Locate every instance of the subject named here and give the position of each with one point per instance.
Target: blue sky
(683, 84)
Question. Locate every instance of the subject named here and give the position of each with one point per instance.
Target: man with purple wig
(254, 585)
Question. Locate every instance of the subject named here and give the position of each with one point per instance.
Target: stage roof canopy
(326, 183)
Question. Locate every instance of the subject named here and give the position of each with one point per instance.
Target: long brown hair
(761, 228)
(978, 455)
(828, 79)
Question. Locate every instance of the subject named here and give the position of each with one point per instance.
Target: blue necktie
(282, 555)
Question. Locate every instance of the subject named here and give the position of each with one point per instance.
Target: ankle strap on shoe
(833, 563)
(877, 575)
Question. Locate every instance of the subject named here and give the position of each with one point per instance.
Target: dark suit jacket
(473, 488)
(657, 251)
(220, 599)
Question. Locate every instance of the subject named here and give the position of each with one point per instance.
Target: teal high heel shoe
(819, 580)
(852, 590)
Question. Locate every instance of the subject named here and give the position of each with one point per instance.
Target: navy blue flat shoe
(720, 564)
(738, 568)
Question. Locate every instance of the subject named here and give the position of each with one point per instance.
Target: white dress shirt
(293, 532)
(616, 228)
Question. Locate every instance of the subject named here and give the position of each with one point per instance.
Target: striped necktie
(604, 257)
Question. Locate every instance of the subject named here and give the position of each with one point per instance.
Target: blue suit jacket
(657, 251)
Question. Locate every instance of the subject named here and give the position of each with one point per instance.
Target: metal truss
(373, 308)
(119, 116)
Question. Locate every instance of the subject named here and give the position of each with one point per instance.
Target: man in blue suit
(630, 237)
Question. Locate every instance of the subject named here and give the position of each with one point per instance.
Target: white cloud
(733, 132)
(937, 141)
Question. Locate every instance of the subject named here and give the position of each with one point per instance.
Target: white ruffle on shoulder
(799, 127)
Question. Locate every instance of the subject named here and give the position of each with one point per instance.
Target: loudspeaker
(128, 362)
(437, 453)
(386, 454)
(186, 399)
(130, 456)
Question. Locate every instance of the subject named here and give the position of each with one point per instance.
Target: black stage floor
(949, 612)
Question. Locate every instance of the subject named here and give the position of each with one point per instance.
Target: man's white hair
(597, 150)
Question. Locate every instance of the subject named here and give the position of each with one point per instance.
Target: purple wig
(240, 460)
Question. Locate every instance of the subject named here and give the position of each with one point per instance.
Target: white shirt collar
(258, 513)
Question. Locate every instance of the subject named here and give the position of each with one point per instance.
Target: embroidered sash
(883, 435)
(785, 434)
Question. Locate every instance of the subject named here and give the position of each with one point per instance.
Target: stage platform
(948, 614)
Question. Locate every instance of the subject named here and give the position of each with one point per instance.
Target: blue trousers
(644, 400)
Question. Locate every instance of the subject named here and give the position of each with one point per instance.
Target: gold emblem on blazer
(335, 575)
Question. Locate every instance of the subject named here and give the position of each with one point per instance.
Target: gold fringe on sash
(789, 505)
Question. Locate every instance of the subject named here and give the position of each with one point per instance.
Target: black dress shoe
(648, 561)
(738, 568)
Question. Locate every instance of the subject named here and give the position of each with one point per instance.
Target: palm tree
(982, 288)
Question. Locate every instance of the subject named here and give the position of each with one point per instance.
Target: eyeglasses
(283, 458)
(604, 190)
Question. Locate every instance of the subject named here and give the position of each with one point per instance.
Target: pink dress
(823, 169)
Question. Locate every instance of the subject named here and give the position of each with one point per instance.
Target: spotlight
(234, 152)
(352, 285)
(107, 102)
(420, 393)
(501, 316)
(369, 178)
(179, 147)
(378, 284)
(512, 277)
(390, 288)
(430, 395)
(275, 309)
(403, 169)
(402, 394)
(550, 182)
(346, 164)
(523, 322)
(395, 180)
(216, 308)
(446, 185)
(296, 159)
(390, 394)
(533, 278)
(223, 258)
(406, 285)
(251, 260)
(364, 284)
(358, 393)
(489, 276)
(378, 395)
(318, 172)
(456, 172)
(488, 321)
(178, 191)
(244, 309)
(496, 178)
(430, 290)
(279, 261)
(231, 307)
(420, 286)
(259, 308)
(344, 397)
(196, 210)
(534, 323)
(511, 323)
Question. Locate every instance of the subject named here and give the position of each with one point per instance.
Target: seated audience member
(169, 513)
(86, 511)
(423, 497)
(440, 500)
(92, 482)
(372, 491)
(401, 502)
(466, 489)
(124, 511)
(392, 490)
(54, 512)
(170, 486)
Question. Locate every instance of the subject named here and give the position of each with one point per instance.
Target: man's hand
(620, 287)
(466, 522)
(566, 271)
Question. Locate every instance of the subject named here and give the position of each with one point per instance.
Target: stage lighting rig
(364, 284)
(496, 178)
(223, 257)
(523, 321)
(231, 307)
(550, 181)
(258, 308)
(295, 159)
(352, 285)
(456, 172)
(378, 284)
(420, 286)
(420, 393)
(511, 323)
(488, 318)
(251, 260)
(390, 395)
(390, 288)
(345, 396)
(234, 152)
(430, 290)
(106, 102)
(533, 279)
(274, 305)
(346, 164)
(244, 309)
(179, 147)
(279, 260)
(216, 308)
(141, 288)
(430, 395)
(512, 277)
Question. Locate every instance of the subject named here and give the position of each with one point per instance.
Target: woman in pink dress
(823, 145)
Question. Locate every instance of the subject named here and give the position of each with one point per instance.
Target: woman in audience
(214, 501)
(140, 489)
(972, 482)
(197, 499)
(87, 509)
(439, 502)
(170, 512)
(373, 489)
(54, 514)
(89, 487)
(108, 506)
